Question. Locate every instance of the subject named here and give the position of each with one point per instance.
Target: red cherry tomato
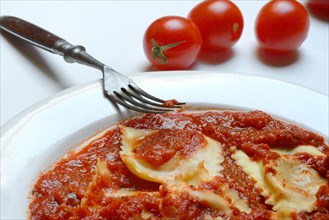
(172, 42)
(282, 25)
(220, 23)
(319, 8)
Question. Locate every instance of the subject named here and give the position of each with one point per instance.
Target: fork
(118, 87)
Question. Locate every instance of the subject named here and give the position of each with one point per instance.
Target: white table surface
(112, 31)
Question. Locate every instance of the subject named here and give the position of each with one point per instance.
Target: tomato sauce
(170, 103)
(59, 192)
(161, 146)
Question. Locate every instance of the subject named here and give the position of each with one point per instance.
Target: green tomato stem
(157, 50)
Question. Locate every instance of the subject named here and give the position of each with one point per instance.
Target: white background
(112, 31)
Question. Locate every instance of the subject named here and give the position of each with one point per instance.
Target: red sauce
(323, 197)
(57, 194)
(170, 103)
(161, 146)
(318, 163)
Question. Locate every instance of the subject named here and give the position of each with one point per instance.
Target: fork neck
(77, 54)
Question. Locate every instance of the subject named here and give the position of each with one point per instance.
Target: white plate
(39, 136)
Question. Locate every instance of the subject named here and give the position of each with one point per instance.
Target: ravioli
(300, 149)
(198, 167)
(286, 183)
(98, 186)
(101, 172)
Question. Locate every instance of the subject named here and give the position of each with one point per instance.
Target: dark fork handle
(33, 34)
(47, 41)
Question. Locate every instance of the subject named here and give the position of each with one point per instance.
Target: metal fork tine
(137, 96)
(130, 100)
(138, 90)
(132, 107)
(128, 94)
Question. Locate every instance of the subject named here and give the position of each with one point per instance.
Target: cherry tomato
(220, 23)
(282, 26)
(319, 8)
(172, 42)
